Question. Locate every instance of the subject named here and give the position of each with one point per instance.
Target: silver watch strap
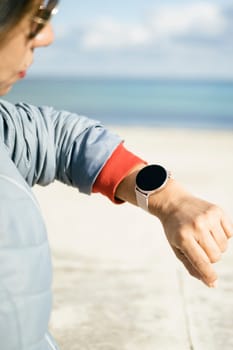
(142, 199)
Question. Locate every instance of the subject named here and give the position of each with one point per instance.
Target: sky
(146, 38)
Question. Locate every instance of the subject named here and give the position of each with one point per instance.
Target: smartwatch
(150, 179)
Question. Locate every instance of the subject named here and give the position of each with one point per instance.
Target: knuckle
(207, 217)
(214, 211)
(199, 222)
(223, 245)
(215, 208)
(215, 257)
(184, 238)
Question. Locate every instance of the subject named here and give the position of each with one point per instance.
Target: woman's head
(24, 26)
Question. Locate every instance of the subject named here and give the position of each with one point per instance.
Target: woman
(39, 145)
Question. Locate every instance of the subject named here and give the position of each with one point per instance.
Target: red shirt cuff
(114, 171)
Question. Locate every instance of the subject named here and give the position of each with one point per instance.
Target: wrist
(152, 179)
(165, 202)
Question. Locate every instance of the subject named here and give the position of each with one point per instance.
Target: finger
(220, 238)
(192, 271)
(200, 261)
(211, 248)
(227, 226)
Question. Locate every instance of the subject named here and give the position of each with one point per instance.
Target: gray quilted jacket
(37, 146)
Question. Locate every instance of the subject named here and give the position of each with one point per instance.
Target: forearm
(126, 189)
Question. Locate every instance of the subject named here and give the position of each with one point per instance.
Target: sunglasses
(42, 16)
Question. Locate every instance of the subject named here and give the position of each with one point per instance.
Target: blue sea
(135, 102)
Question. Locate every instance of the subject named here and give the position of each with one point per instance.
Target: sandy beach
(117, 285)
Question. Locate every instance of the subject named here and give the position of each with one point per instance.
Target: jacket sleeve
(46, 144)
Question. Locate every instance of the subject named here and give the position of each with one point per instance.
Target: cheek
(12, 64)
(10, 67)
(14, 55)
(17, 58)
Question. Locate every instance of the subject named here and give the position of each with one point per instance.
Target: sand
(117, 285)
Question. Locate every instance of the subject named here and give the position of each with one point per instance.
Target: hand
(197, 231)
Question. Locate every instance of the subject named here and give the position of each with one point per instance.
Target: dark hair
(12, 12)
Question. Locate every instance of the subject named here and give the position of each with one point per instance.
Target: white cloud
(201, 19)
(109, 33)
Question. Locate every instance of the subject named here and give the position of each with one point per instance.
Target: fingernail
(213, 284)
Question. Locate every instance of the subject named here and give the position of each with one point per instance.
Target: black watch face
(151, 177)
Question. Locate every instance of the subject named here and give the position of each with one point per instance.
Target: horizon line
(130, 77)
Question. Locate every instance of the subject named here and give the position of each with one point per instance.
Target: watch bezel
(151, 178)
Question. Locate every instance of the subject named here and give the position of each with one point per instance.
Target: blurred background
(151, 63)
(148, 63)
